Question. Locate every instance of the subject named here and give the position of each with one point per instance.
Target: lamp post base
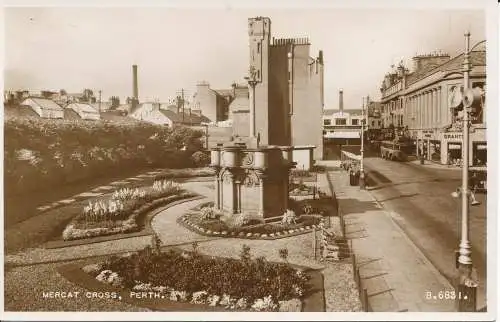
(362, 184)
(466, 290)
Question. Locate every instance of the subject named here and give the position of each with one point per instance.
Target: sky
(95, 47)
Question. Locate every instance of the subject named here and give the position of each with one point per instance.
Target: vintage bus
(394, 150)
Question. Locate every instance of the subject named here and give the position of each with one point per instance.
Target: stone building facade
(420, 101)
(289, 90)
(214, 104)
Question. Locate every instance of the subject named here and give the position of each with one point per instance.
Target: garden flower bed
(120, 213)
(244, 284)
(206, 220)
(301, 189)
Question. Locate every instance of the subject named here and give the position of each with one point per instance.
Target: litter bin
(353, 178)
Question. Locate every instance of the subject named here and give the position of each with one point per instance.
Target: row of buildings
(280, 103)
(424, 103)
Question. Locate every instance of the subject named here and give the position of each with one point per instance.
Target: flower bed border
(74, 273)
(182, 220)
(144, 231)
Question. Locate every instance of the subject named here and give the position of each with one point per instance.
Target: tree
(115, 101)
(63, 92)
(88, 95)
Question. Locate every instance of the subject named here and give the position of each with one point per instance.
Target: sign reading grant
(452, 136)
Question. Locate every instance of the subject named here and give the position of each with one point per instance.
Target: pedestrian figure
(474, 185)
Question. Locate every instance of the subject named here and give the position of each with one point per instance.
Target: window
(355, 122)
(373, 123)
(327, 122)
(258, 48)
(340, 122)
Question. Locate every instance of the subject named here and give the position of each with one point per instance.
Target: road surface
(420, 202)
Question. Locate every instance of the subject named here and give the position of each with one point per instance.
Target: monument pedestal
(252, 180)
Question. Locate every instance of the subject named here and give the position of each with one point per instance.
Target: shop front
(451, 148)
(479, 153)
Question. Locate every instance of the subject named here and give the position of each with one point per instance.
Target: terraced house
(421, 101)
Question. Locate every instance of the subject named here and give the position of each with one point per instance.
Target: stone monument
(252, 180)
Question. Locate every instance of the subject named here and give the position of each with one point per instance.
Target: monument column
(261, 176)
(234, 194)
(217, 188)
(237, 184)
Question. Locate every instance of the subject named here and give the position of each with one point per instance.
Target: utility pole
(467, 286)
(100, 101)
(182, 102)
(361, 170)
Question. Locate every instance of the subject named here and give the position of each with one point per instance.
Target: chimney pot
(135, 83)
(341, 100)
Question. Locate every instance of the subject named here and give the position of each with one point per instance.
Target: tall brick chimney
(136, 86)
(341, 101)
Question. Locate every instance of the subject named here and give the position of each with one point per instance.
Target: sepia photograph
(254, 160)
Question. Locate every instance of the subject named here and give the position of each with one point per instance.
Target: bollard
(365, 300)
(314, 242)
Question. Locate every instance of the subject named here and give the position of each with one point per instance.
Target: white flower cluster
(109, 277)
(145, 287)
(242, 220)
(71, 232)
(209, 213)
(99, 209)
(164, 185)
(289, 217)
(199, 297)
(128, 194)
(299, 291)
(265, 304)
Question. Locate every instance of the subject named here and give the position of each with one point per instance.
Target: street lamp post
(362, 185)
(466, 297)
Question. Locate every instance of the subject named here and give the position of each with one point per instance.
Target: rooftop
(44, 103)
(477, 58)
(188, 117)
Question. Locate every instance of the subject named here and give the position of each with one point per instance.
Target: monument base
(252, 180)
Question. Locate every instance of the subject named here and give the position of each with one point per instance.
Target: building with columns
(421, 101)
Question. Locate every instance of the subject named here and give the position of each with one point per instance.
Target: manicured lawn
(37, 228)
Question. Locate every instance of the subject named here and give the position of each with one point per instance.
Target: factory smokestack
(136, 86)
(341, 101)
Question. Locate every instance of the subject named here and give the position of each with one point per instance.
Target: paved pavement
(396, 273)
(418, 198)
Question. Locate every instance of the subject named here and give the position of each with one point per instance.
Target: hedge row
(41, 153)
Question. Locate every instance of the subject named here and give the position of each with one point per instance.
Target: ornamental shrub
(200, 159)
(66, 151)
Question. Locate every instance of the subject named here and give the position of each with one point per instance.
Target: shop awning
(342, 135)
(481, 146)
(454, 146)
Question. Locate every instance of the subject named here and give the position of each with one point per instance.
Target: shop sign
(452, 136)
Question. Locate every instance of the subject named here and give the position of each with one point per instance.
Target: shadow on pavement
(351, 206)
